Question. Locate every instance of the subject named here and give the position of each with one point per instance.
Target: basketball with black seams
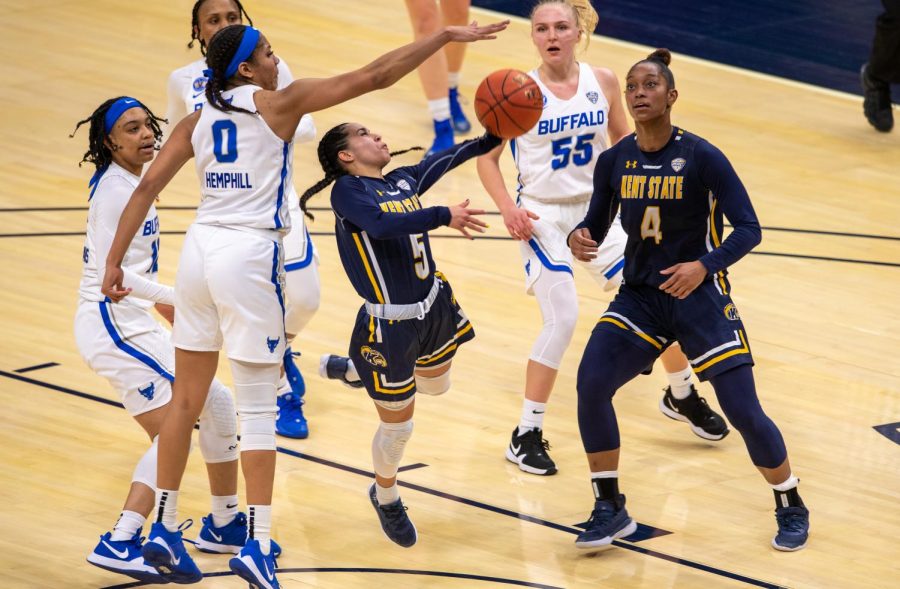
(508, 103)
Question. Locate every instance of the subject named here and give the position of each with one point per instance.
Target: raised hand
(473, 32)
(463, 218)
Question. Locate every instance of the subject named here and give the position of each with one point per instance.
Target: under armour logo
(272, 343)
(631, 164)
(148, 391)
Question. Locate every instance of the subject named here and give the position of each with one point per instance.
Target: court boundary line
(470, 502)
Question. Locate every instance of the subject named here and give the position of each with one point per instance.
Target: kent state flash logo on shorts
(678, 164)
(373, 357)
(731, 312)
(592, 96)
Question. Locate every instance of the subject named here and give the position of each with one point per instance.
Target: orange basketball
(508, 103)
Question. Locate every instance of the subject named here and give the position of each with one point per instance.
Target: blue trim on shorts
(280, 200)
(120, 343)
(615, 269)
(275, 280)
(306, 261)
(546, 261)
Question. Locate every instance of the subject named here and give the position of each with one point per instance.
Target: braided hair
(222, 48)
(586, 17)
(661, 58)
(332, 143)
(98, 152)
(195, 23)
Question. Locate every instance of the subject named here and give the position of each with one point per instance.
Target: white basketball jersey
(556, 157)
(243, 167)
(142, 256)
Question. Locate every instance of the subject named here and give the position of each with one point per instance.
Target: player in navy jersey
(410, 326)
(673, 189)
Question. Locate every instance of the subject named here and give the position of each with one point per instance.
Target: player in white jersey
(127, 346)
(582, 116)
(187, 93)
(229, 284)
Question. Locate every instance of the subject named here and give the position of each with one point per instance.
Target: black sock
(606, 489)
(789, 498)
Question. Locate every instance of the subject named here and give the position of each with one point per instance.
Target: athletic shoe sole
(524, 467)
(787, 548)
(607, 542)
(115, 566)
(699, 431)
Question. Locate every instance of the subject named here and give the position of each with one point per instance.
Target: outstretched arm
(430, 169)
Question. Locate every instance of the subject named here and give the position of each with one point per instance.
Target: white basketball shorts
(299, 251)
(127, 346)
(547, 249)
(230, 289)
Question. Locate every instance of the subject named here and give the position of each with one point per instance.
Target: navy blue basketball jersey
(382, 227)
(672, 203)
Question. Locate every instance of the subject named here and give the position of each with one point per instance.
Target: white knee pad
(303, 297)
(255, 387)
(394, 405)
(388, 445)
(433, 385)
(558, 300)
(145, 469)
(218, 426)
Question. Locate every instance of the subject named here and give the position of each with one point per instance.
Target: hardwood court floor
(819, 299)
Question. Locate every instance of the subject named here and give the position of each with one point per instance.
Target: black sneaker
(529, 451)
(694, 411)
(608, 521)
(877, 101)
(394, 521)
(335, 368)
(793, 528)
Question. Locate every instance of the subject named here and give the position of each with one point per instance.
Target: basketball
(508, 103)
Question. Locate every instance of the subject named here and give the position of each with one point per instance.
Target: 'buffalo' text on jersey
(556, 157)
(381, 225)
(244, 169)
(141, 261)
(672, 203)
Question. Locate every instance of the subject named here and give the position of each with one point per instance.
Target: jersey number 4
(224, 134)
(580, 154)
(651, 225)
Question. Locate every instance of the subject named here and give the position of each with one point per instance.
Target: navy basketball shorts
(706, 324)
(387, 353)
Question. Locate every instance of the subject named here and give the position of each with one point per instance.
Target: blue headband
(116, 109)
(244, 50)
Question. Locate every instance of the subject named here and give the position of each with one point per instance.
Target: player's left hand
(683, 278)
(167, 312)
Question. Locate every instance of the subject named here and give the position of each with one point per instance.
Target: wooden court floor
(819, 297)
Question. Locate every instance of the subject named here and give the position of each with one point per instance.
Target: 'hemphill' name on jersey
(229, 180)
(573, 121)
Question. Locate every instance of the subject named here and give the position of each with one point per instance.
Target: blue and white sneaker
(228, 539)
(256, 568)
(396, 524)
(293, 374)
(609, 521)
(165, 552)
(290, 422)
(336, 368)
(460, 123)
(124, 557)
(793, 528)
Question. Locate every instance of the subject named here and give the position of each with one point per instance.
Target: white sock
(224, 509)
(351, 373)
(452, 79)
(681, 383)
(787, 485)
(260, 522)
(127, 526)
(532, 416)
(167, 508)
(386, 495)
(440, 109)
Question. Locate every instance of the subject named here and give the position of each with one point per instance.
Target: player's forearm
(738, 244)
(148, 289)
(391, 225)
(436, 165)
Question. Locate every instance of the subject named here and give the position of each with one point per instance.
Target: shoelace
(602, 515)
(186, 524)
(792, 522)
(532, 437)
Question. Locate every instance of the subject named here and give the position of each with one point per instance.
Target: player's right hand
(112, 284)
(166, 311)
(463, 218)
(473, 32)
(518, 222)
(583, 247)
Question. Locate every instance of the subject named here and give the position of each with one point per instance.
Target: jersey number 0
(225, 141)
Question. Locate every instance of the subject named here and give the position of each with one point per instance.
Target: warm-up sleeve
(602, 211)
(430, 169)
(351, 202)
(719, 177)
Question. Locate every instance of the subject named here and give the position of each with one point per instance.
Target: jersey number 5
(225, 141)
(581, 153)
(421, 262)
(650, 225)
